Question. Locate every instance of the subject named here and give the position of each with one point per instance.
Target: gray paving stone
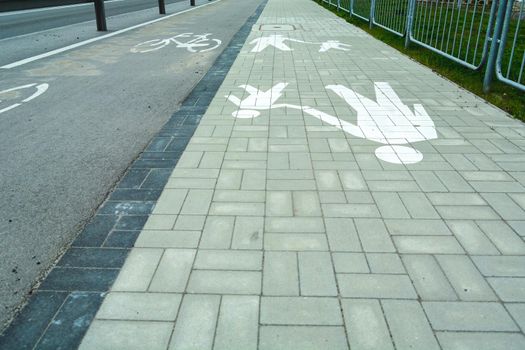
(374, 236)
(302, 337)
(428, 181)
(365, 325)
(467, 212)
(300, 311)
(428, 278)
(390, 205)
(123, 335)
(316, 274)
(472, 238)
(237, 209)
(350, 263)
(228, 260)
(254, 180)
(453, 181)
(385, 263)
(294, 224)
(503, 237)
(306, 203)
(509, 289)
(173, 271)
(195, 326)
(189, 223)
(217, 232)
(138, 270)
(481, 341)
(417, 227)
(342, 235)
(170, 201)
(408, 325)
(462, 316)
(427, 245)
(229, 179)
(239, 196)
(140, 306)
(504, 206)
(350, 210)
(500, 266)
(224, 282)
(238, 323)
(517, 311)
(280, 274)
(248, 233)
(295, 241)
(418, 206)
(468, 283)
(279, 203)
(456, 199)
(376, 286)
(168, 239)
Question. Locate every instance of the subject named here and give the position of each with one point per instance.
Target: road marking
(21, 12)
(386, 120)
(92, 40)
(193, 45)
(40, 89)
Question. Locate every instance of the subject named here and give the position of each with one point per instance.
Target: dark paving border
(59, 313)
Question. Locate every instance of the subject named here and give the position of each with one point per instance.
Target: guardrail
(477, 34)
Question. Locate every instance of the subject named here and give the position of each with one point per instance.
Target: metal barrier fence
(478, 34)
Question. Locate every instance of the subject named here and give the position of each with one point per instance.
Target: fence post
(162, 7)
(351, 9)
(338, 5)
(372, 13)
(493, 53)
(410, 21)
(100, 15)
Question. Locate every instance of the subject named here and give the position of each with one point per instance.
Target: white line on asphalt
(89, 41)
(21, 12)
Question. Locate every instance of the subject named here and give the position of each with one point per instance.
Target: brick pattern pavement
(284, 232)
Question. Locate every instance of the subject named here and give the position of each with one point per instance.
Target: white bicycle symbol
(199, 43)
(40, 89)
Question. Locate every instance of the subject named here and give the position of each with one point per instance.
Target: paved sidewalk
(335, 195)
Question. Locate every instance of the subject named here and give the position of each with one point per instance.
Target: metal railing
(477, 34)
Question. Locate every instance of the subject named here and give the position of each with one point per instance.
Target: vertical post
(410, 21)
(192, 2)
(100, 15)
(493, 53)
(338, 5)
(162, 7)
(372, 13)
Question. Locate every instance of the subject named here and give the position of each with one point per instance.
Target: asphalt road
(62, 152)
(31, 21)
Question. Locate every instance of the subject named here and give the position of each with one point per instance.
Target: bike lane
(335, 195)
(70, 126)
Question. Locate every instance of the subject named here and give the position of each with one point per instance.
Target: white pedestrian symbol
(197, 43)
(257, 100)
(387, 120)
(279, 41)
(40, 89)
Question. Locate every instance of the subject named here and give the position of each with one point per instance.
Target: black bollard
(100, 14)
(192, 2)
(162, 7)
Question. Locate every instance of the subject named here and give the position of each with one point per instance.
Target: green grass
(468, 22)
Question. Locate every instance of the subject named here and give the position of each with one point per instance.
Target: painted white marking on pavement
(89, 41)
(22, 12)
(198, 41)
(278, 41)
(40, 89)
(387, 120)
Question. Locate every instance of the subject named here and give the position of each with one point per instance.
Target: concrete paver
(299, 230)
